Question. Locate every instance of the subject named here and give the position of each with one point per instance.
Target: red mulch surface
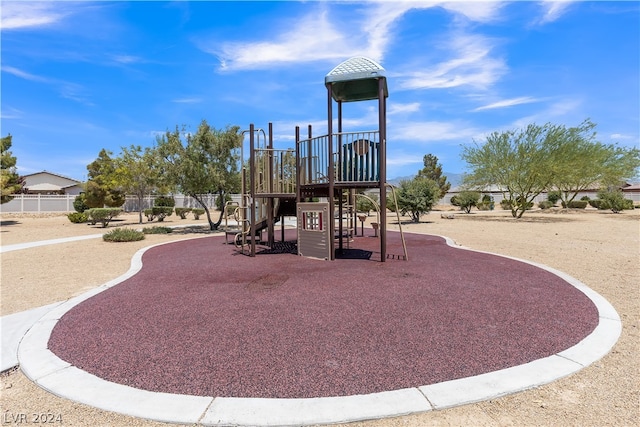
(200, 319)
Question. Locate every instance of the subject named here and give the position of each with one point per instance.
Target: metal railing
(354, 155)
(275, 171)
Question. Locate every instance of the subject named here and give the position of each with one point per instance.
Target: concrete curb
(48, 371)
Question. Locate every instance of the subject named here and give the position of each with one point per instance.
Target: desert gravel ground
(601, 249)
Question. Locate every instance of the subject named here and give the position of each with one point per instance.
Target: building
(51, 183)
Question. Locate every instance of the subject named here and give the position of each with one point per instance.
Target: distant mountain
(454, 178)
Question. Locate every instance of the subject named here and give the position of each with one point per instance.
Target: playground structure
(317, 181)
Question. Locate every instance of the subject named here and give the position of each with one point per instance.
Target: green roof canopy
(356, 79)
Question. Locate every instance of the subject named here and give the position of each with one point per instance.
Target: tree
(520, 163)
(207, 163)
(582, 162)
(433, 170)
(138, 172)
(10, 182)
(417, 196)
(101, 189)
(465, 200)
(612, 198)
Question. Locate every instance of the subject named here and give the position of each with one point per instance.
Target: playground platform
(198, 333)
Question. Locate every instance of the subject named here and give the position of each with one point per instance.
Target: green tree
(612, 198)
(519, 162)
(207, 163)
(433, 170)
(138, 172)
(101, 189)
(582, 162)
(417, 197)
(10, 182)
(465, 200)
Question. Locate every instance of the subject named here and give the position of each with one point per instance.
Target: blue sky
(81, 76)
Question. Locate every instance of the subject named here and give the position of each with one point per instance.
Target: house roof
(51, 173)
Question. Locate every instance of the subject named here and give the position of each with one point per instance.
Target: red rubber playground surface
(200, 319)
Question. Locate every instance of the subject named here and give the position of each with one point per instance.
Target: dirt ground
(601, 249)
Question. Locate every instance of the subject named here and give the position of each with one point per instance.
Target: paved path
(283, 340)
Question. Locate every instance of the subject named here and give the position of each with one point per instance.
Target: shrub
(486, 203)
(103, 215)
(157, 230)
(149, 214)
(197, 212)
(545, 204)
(612, 199)
(597, 203)
(465, 200)
(161, 212)
(363, 204)
(505, 204)
(585, 198)
(182, 212)
(553, 197)
(166, 201)
(577, 204)
(78, 217)
(79, 203)
(123, 235)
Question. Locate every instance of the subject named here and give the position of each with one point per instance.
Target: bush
(465, 200)
(79, 204)
(364, 204)
(197, 212)
(545, 204)
(123, 235)
(165, 201)
(577, 204)
(78, 217)
(553, 197)
(157, 230)
(486, 203)
(596, 203)
(103, 215)
(161, 212)
(182, 212)
(149, 214)
(505, 204)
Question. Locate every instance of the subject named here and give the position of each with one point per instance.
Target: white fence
(41, 203)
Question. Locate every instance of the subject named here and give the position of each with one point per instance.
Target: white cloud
(68, 90)
(479, 11)
(24, 14)
(557, 110)
(187, 100)
(312, 38)
(127, 59)
(318, 36)
(472, 63)
(431, 131)
(397, 108)
(24, 75)
(620, 136)
(552, 10)
(507, 103)
(11, 113)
